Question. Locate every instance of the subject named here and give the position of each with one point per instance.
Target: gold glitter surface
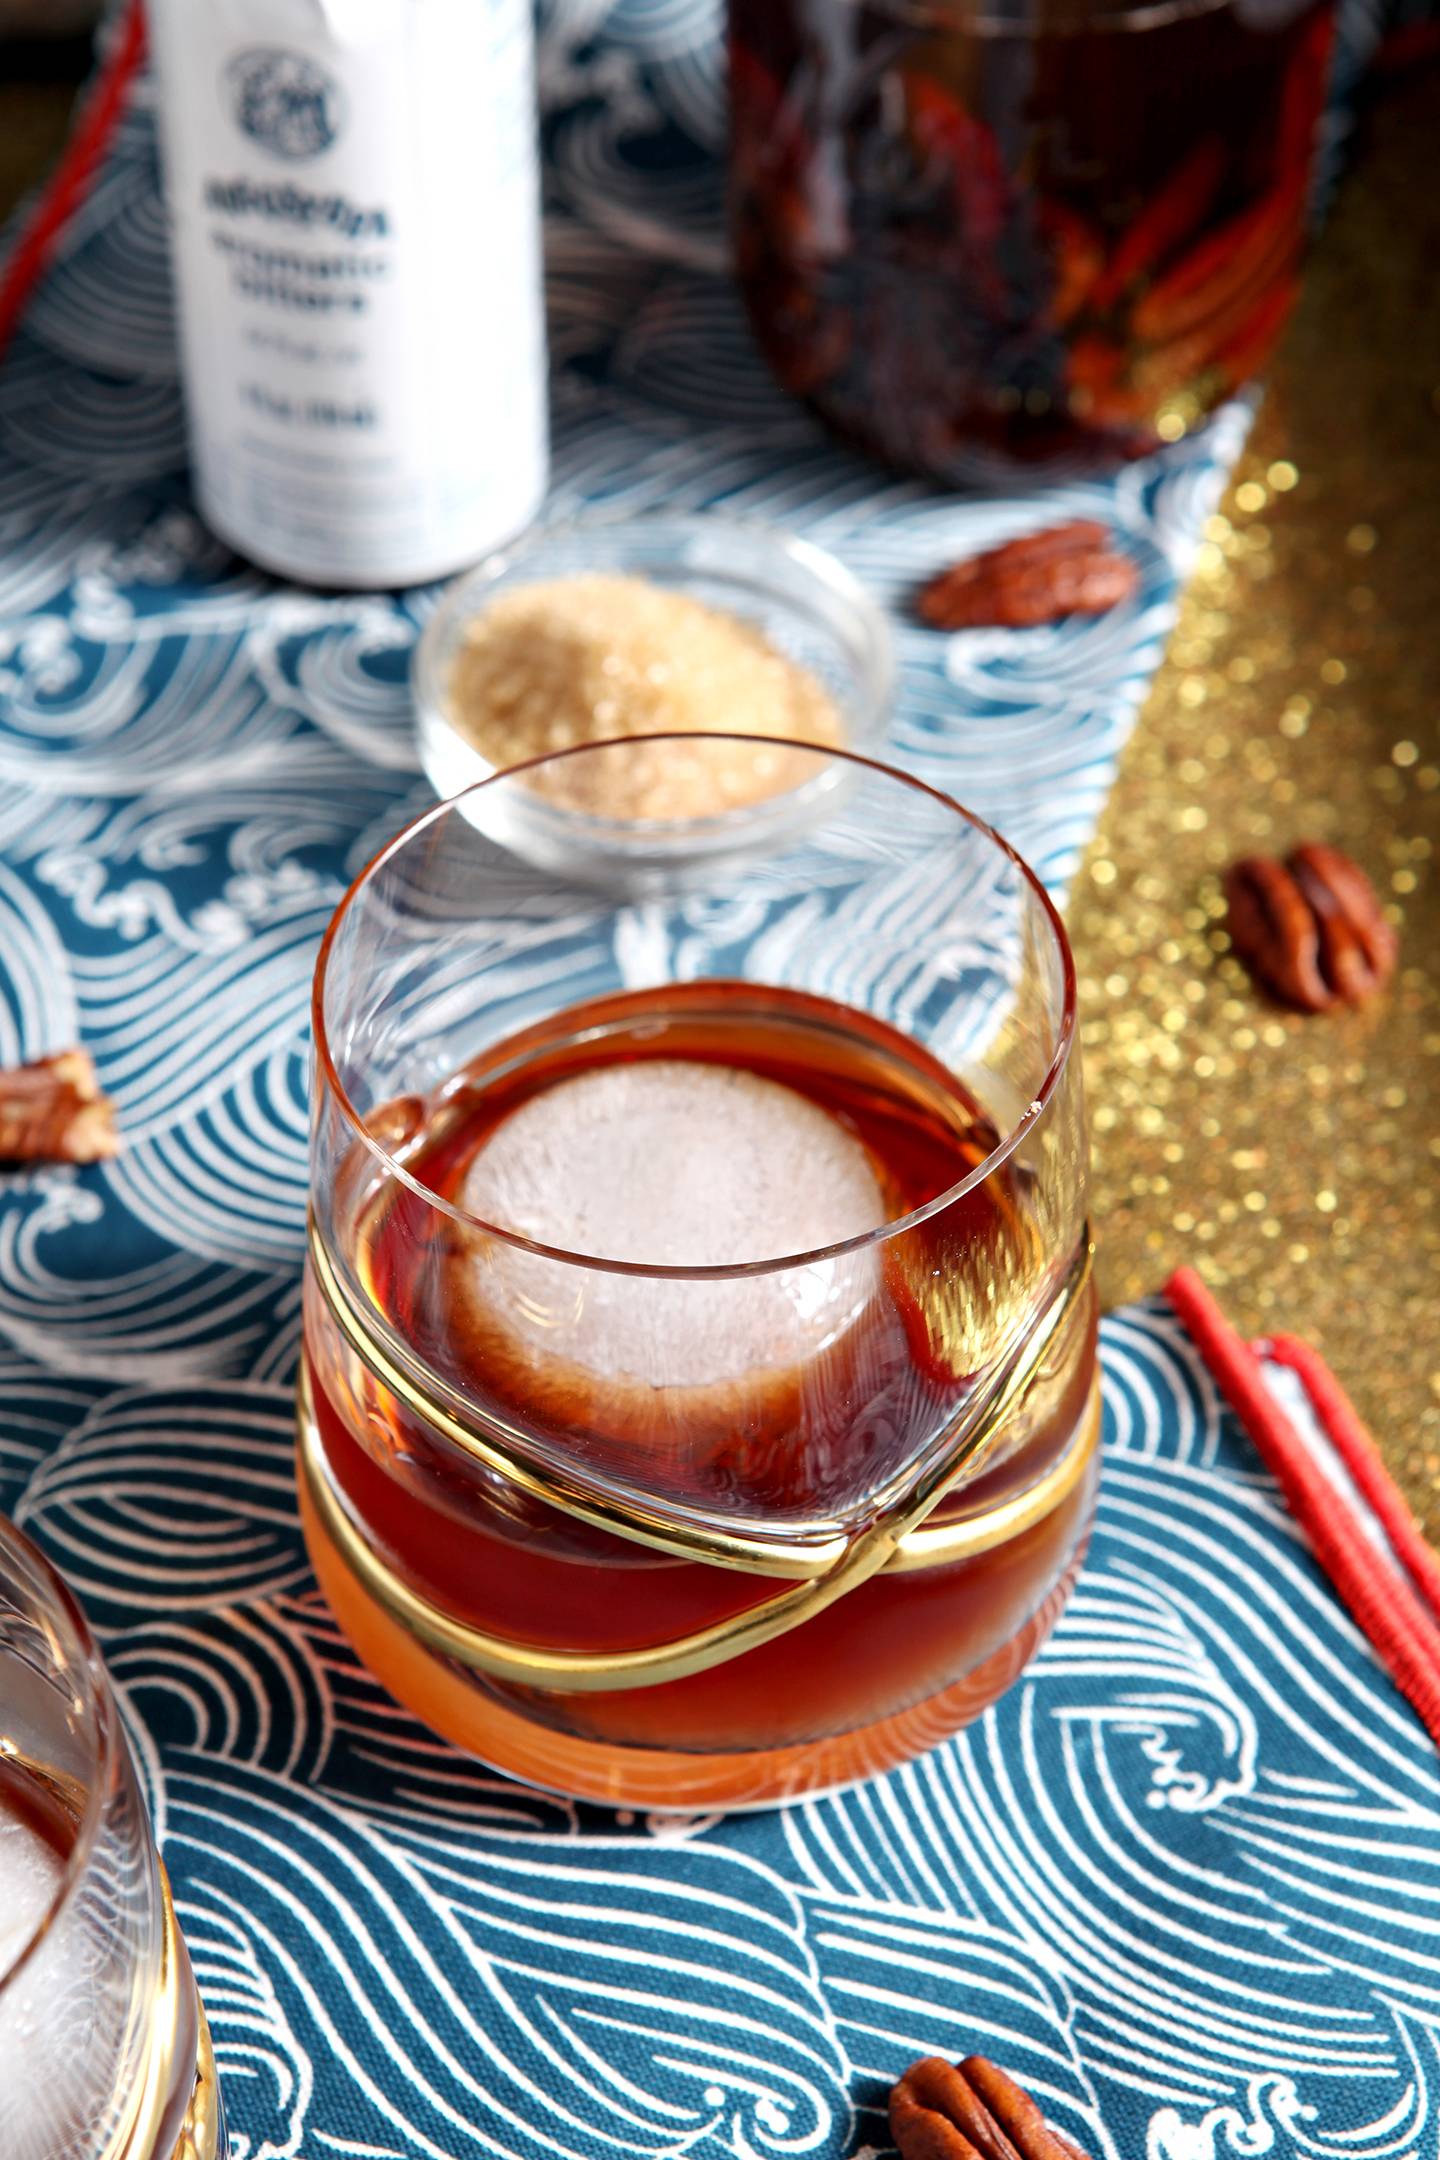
(1295, 1161)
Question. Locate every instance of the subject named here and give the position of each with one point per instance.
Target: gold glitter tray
(1295, 1162)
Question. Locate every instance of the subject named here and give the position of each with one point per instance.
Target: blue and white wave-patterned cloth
(1183, 1879)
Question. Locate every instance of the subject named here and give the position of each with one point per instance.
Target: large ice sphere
(30, 1874)
(674, 1163)
(47, 2000)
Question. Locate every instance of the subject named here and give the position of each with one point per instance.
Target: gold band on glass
(885, 1546)
(170, 2018)
(717, 1546)
(940, 1544)
(897, 1539)
(628, 1519)
(200, 2132)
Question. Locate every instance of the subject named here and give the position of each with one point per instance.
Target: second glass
(104, 2049)
(700, 1401)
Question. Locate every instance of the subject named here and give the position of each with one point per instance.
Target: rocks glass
(700, 1402)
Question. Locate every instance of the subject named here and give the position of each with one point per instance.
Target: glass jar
(655, 1457)
(979, 234)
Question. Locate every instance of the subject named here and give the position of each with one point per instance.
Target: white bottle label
(354, 196)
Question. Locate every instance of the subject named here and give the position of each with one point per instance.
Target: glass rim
(728, 1271)
(89, 1672)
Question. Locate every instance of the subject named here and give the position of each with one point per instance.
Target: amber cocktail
(700, 1401)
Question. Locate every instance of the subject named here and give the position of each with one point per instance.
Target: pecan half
(1273, 930)
(1070, 569)
(1358, 948)
(1311, 928)
(971, 2111)
(53, 1111)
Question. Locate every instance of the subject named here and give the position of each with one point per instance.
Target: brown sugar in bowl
(674, 625)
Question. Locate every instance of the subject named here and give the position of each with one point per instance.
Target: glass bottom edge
(178, 2113)
(202, 2134)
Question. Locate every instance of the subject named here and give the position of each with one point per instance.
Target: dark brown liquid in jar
(971, 241)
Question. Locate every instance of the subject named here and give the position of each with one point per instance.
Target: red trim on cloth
(1392, 1603)
(71, 180)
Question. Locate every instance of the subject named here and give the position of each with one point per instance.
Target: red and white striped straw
(1397, 1601)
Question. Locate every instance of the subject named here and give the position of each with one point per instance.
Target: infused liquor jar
(699, 1403)
(975, 236)
(104, 2049)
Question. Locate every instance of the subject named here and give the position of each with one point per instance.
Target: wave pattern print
(117, 243)
(172, 1501)
(906, 1982)
(1200, 1806)
(37, 1410)
(501, 1995)
(1182, 1877)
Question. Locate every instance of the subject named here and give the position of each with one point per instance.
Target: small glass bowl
(808, 605)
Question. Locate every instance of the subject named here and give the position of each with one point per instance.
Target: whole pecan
(1274, 931)
(1070, 569)
(53, 1111)
(971, 2111)
(1310, 928)
(1358, 948)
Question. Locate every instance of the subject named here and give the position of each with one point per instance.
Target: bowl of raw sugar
(700, 630)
